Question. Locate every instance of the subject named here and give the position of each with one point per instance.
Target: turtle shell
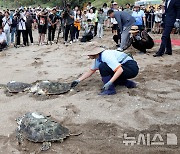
(54, 88)
(38, 128)
(15, 87)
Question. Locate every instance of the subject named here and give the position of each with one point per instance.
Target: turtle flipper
(19, 138)
(46, 146)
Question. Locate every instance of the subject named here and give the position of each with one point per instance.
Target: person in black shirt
(29, 22)
(53, 20)
(13, 27)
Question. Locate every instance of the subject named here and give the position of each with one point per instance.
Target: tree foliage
(51, 3)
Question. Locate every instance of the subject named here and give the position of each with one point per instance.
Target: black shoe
(168, 53)
(157, 55)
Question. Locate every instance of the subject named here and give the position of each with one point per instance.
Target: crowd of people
(71, 21)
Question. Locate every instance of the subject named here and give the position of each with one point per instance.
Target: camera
(66, 13)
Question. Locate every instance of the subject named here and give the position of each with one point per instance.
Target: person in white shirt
(91, 15)
(21, 29)
(3, 40)
(158, 20)
(7, 26)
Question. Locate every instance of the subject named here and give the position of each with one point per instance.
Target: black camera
(66, 13)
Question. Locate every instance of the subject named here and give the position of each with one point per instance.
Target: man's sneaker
(74, 40)
(32, 43)
(70, 42)
(52, 42)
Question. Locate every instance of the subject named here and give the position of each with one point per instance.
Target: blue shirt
(112, 58)
(138, 16)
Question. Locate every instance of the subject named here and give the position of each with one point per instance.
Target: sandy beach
(153, 107)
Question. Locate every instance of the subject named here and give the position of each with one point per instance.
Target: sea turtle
(16, 87)
(50, 88)
(37, 128)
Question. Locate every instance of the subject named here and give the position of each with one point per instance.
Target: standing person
(77, 24)
(42, 27)
(3, 41)
(101, 18)
(1, 17)
(91, 15)
(21, 28)
(115, 27)
(29, 24)
(125, 21)
(14, 28)
(128, 9)
(115, 68)
(95, 21)
(68, 16)
(89, 6)
(158, 19)
(105, 10)
(53, 20)
(172, 15)
(150, 19)
(7, 21)
(140, 18)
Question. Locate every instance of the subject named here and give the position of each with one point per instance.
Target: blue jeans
(7, 32)
(13, 32)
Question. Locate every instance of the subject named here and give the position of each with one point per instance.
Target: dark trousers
(143, 45)
(130, 70)
(19, 36)
(76, 33)
(166, 41)
(51, 33)
(95, 28)
(71, 29)
(87, 37)
(29, 33)
(3, 45)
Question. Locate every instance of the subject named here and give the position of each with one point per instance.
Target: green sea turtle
(50, 88)
(16, 87)
(40, 129)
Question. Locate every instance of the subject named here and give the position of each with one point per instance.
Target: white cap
(115, 3)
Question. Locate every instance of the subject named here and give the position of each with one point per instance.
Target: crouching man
(3, 40)
(115, 68)
(140, 40)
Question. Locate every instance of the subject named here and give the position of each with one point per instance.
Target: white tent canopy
(148, 2)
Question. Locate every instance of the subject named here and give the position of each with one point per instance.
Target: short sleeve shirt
(138, 16)
(112, 58)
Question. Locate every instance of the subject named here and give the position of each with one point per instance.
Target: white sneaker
(52, 42)
(32, 43)
(77, 40)
(74, 41)
(70, 42)
(65, 43)
(120, 49)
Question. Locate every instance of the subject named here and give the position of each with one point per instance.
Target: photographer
(21, 28)
(68, 16)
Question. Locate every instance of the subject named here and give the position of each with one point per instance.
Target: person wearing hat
(140, 40)
(125, 21)
(115, 68)
(172, 16)
(140, 18)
